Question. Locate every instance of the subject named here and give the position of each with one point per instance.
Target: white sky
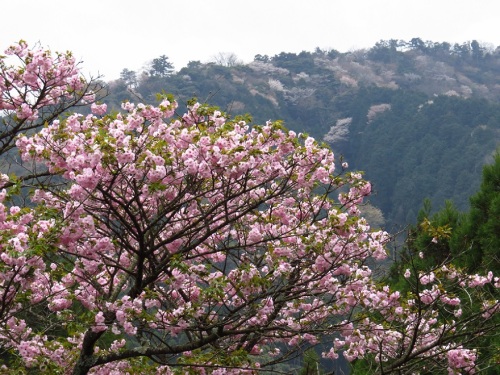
(109, 36)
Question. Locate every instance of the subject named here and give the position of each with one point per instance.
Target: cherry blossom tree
(36, 87)
(194, 243)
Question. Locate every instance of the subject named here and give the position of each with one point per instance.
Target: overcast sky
(109, 36)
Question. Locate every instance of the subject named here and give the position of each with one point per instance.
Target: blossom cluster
(41, 80)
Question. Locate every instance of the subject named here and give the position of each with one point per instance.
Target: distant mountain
(421, 118)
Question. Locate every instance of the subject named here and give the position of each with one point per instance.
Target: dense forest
(420, 118)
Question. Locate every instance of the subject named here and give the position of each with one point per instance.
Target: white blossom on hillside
(268, 68)
(377, 109)
(300, 76)
(297, 94)
(339, 131)
(276, 85)
(348, 81)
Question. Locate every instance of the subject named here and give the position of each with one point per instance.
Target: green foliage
(469, 241)
(420, 148)
(311, 364)
(237, 359)
(481, 232)
(129, 77)
(161, 67)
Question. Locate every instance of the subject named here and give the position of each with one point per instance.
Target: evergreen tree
(481, 232)
(161, 67)
(311, 364)
(469, 241)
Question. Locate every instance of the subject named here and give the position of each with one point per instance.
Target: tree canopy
(161, 67)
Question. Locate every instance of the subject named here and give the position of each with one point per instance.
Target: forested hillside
(421, 118)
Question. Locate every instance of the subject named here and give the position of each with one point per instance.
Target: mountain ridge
(421, 118)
